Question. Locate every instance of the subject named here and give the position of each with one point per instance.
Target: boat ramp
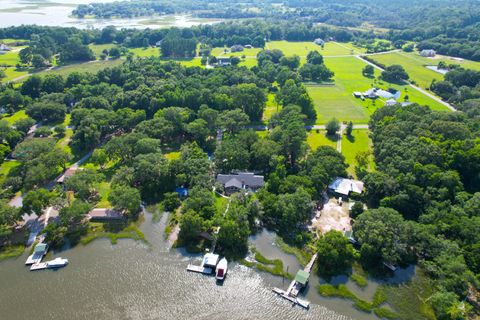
(300, 282)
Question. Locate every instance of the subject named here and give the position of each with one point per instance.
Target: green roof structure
(41, 247)
(302, 277)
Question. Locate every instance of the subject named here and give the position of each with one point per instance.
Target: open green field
(220, 52)
(351, 146)
(98, 48)
(146, 52)
(10, 59)
(303, 48)
(15, 117)
(92, 66)
(271, 107)
(12, 73)
(415, 64)
(337, 100)
(6, 167)
(316, 139)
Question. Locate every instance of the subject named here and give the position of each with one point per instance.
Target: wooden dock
(199, 269)
(38, 266)
(295, 287)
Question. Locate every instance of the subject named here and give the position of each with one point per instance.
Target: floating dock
(39, 266)
(298, 284)
(34, 259)
(199, 269)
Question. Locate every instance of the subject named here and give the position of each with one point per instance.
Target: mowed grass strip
(415, 65)
(352, 145)
(146, 52)
(317, 138)
(337, 100)
(12, 73)
(303, 48)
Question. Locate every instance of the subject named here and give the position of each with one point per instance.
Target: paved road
(428, 94)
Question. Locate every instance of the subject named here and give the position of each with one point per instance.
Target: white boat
(57, 263)
(221, 270)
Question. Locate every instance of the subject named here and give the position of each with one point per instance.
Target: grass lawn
(173, 155)
(15, 117)
(303, 48)
(93, 66)
(271, 108)
(415, 64)
(12, 73)
(220, 203)
(103, 190)
(220, 52)
(10, 58)
(5, 169)
(351, 146)
(146, 52)
(337, 100)
(316, 140)
(98, 48)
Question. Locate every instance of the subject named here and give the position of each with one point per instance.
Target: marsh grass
(11, 252)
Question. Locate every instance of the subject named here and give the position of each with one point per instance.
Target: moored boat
(57, 263)
(221, 270)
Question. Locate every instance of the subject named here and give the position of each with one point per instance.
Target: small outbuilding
(4, 47)
(302, 277)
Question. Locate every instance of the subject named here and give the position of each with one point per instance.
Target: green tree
(394, 73)
(125, 198)
(332, 127)
(384, 236)
(349, 129)
(35, 201)
(191, 224)
(335, 254)
(368, 71)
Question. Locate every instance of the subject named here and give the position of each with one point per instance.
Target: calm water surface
(132, 280)
(57, 13)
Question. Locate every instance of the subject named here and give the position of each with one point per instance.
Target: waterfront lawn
(103, 189)
(316, 139)
(351, 146)
(113, 231)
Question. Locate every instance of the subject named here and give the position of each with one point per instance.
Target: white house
(344, 186)
(428, 53)
(319, 42)
(4, 47)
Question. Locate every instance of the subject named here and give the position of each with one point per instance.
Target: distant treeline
(72, 43)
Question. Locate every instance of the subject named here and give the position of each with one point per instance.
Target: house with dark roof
(242, 181)
(104, 214)
(236, 48)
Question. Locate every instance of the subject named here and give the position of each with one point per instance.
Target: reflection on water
(133, 280)
(58, 13)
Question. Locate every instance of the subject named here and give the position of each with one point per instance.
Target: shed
(302, 277)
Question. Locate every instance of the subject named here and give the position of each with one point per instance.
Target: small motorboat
(221, 270)
(57, 263)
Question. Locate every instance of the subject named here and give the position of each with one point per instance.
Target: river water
(58, 13)
(133, 280)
